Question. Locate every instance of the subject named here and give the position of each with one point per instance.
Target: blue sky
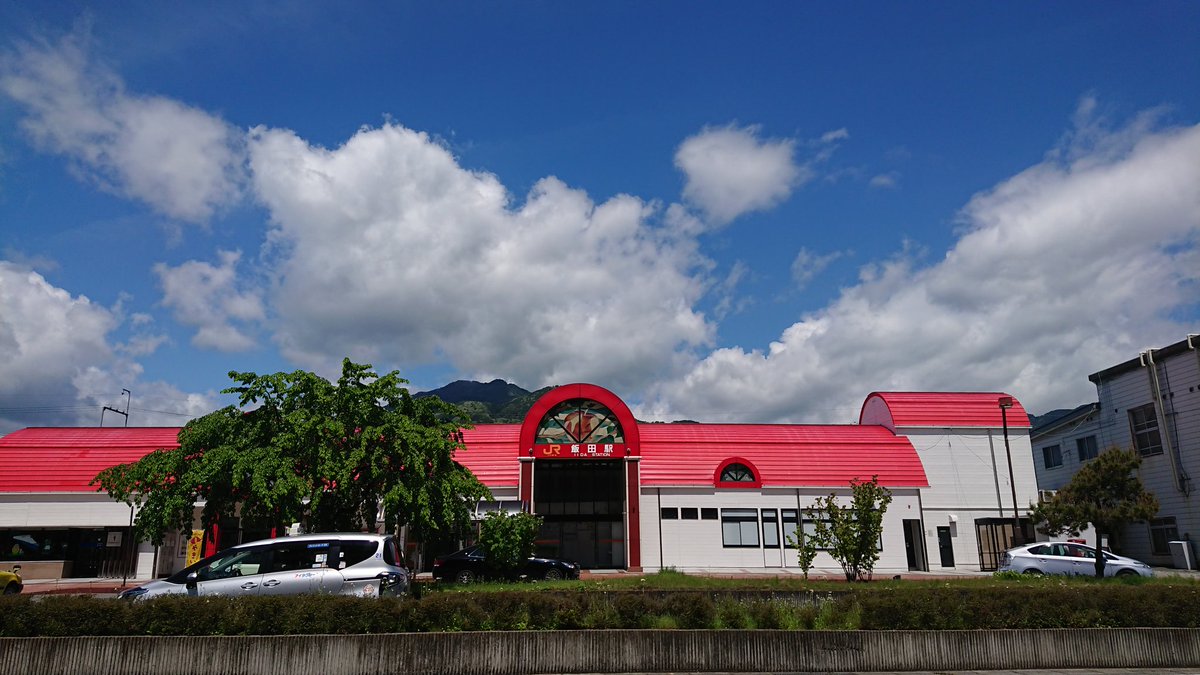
(720, 212)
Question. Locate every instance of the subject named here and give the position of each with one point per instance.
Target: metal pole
(1012, 480)
(133, 545)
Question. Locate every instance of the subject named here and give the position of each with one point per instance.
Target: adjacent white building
(1152, 403)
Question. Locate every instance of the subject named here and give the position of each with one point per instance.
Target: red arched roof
(940, 409)
(590, 392)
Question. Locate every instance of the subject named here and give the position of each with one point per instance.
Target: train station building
(613, 492)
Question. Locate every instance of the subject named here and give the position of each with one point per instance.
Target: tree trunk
(1099, 557)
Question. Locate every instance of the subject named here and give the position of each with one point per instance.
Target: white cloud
(210, 299)
(835, 135)
(1064, 269)
(807, 265)
(728, 301)
(56, 363)
(388, 249)
(731, 172)
(884, 180)
(181, 161)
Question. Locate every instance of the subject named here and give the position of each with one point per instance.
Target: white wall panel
(698, 544)
(61, 510)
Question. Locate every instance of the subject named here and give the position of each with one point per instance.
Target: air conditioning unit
(1046, 495)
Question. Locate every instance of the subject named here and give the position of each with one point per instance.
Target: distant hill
(495, 402)
(496, 392)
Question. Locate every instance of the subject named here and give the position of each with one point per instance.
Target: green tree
(852, 534)
(1106, 492)
(807, 546)
(507, 539)
(304, 449)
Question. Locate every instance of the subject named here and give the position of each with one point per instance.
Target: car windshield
(235, 563)
(181, 576)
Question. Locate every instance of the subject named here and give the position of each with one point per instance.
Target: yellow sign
(195, 547)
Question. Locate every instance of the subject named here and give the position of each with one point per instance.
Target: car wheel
(1126, 573)
(464, 577)
(12, 589)
(1033, 572)
(553, 575)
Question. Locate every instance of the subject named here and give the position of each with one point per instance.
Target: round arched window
(737, 473)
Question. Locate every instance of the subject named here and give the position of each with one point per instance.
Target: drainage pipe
(1161, 413)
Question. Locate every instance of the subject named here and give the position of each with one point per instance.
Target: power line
(165, 412)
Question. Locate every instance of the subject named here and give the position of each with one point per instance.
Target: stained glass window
(579, 421)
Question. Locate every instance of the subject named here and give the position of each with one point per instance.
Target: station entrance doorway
(582, 505)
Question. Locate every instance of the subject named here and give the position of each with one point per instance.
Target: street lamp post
(1006, 402)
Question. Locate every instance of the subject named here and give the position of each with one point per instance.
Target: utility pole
(128, 397)
(1006, 402)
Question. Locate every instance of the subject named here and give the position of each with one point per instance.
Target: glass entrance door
(582, 505)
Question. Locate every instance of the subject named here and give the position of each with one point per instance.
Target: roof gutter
(1160, 410)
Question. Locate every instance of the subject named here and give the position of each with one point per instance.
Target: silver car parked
(1058, 557)
(365, 565)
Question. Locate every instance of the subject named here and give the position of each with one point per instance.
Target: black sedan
(469, 564)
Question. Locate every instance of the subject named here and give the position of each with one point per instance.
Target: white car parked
(366, 565)
(1058, 557)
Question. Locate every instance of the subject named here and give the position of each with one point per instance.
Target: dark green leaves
(303, 449)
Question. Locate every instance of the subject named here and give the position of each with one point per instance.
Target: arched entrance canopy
(581, 421)
(586, 445)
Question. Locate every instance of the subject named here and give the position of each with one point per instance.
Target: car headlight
(132, 593)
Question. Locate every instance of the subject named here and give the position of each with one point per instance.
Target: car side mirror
(191, 579)
(16, 568)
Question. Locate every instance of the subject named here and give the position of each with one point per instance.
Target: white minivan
(365, 565)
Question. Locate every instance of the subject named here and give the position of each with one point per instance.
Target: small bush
(733, 615)
(690, 610)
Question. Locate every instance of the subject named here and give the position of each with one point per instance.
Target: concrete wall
(500, 653)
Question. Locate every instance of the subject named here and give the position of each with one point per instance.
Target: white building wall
(1179, 380)
(25, 510)
(697, 545)
(968, 475)
(1066, 437)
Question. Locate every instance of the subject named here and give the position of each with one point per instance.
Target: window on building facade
(670, 513)
(1052, 456)
(689, 514)
(1143, 424)
(579, 421)
(809, 529)
(739, 528)
(1086, 448)
(770, 528)
(1162, 530)
(708, 514)
(737, 473)
(790, 523)
(18, 545)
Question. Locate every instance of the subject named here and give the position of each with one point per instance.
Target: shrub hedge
(871, 607)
